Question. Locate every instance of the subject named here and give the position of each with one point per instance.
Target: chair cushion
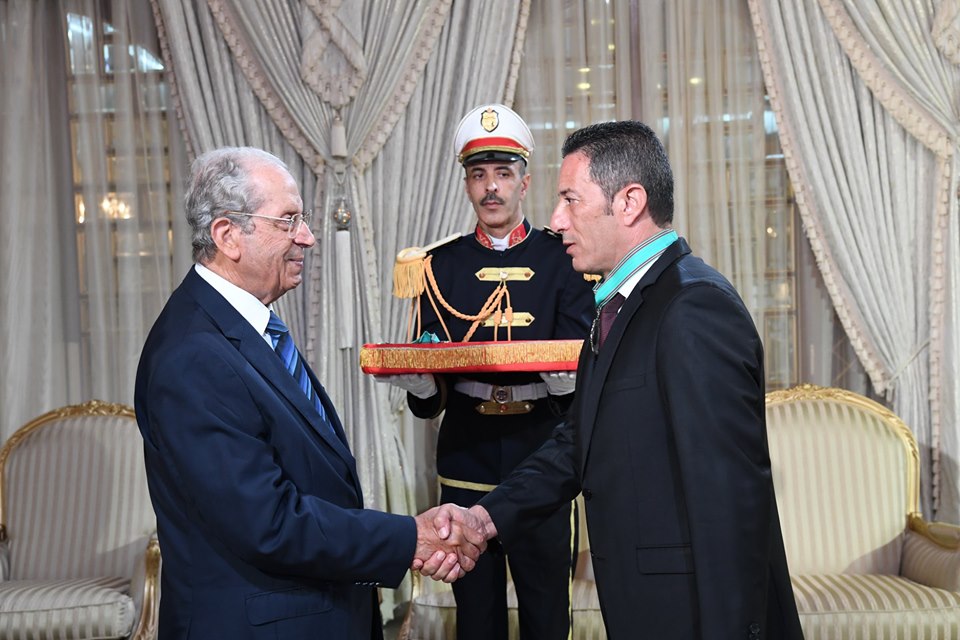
(855, 606)
(433, 613)
(79, 609)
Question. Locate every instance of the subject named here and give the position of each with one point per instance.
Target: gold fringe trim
(409, 279)
(518, 355)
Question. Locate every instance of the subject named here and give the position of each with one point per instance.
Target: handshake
(450, 539)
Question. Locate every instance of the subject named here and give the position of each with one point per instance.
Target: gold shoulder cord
(411, 273)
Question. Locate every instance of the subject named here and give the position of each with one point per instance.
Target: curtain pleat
(90, 173)
(863, 100)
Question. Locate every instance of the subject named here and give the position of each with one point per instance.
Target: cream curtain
(576, 70)
(40, 350)
(690, 69)
(867, 107)
(83, 269)
(707, 103)
(215, 107)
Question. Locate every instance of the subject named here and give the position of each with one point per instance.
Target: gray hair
(220, 182)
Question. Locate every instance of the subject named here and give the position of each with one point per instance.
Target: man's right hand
(422, 385)
(475, 520)
(449, 553)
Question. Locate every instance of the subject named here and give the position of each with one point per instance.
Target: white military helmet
(491, 133)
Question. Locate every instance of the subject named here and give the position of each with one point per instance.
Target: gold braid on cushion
(519, 355)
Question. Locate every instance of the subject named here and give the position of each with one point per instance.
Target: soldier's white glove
(560, 383)
(421, 385)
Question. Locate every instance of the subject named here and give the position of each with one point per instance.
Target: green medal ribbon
(631, 263)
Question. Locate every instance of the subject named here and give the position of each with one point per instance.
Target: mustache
(487, 199)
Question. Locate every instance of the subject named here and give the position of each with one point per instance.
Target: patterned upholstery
(78, 528)
(100, 606)
(874, 606)
(864, 564)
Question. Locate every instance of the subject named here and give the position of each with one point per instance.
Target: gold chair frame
(943, 535)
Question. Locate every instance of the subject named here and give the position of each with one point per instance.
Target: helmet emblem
(489, 120)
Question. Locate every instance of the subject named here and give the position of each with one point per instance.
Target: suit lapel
(596, 368)
(266, 362)
(261, 357)
(335, 435)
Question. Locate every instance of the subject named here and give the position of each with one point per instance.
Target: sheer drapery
(86, 201)
(708, 104)
(40, 348)
(690, 69)
(575, 71)
(869, 136)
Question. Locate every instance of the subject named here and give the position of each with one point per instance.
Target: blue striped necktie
(283, 345)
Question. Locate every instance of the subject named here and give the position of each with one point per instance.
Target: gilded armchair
(864, 564)
(79, 556)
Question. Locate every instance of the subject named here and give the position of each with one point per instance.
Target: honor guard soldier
(508, 281)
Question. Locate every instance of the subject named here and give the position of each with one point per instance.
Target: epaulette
(408, 275)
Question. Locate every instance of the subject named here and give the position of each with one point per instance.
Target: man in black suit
(666, 438)
(260, 514)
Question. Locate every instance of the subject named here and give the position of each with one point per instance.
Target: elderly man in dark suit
(260, 515)
(666, 438)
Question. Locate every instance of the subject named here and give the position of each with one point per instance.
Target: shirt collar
(515, 237)
(631, 283)
(632, 267)
(252, 310)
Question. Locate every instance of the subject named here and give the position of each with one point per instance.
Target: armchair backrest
(846, 473)
(73, 494)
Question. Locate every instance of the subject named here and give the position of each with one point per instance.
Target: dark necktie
(608, 313)
(287, 350)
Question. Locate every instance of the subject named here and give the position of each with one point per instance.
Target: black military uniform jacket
(477, 448)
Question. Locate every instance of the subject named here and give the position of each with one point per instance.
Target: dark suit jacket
(259, 510)
(666, 439)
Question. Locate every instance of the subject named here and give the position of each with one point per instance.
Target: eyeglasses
(293, 223)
